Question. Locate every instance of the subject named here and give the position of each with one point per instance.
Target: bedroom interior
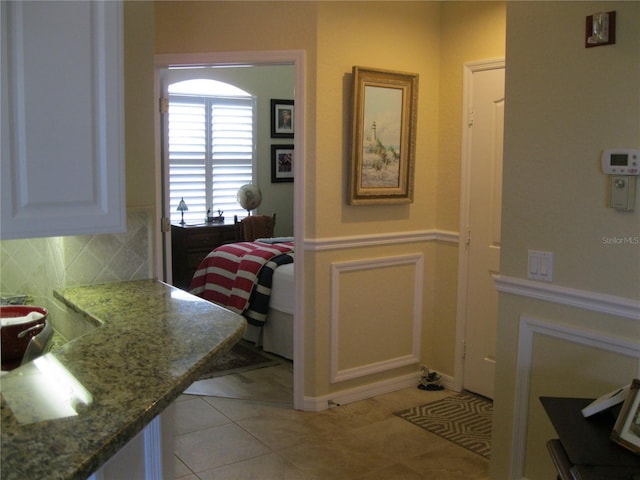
(364, 265)
(195, 243)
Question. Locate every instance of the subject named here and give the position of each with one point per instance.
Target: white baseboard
(350, 395)
(343, 397)
(448, 382)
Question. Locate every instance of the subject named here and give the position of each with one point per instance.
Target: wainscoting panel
(376, 315)
(560, 360)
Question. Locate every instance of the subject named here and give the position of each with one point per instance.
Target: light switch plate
(540, 265)
(622, 192)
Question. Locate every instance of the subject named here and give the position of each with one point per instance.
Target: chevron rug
(464, 419)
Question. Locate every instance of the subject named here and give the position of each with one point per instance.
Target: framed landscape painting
(383, 136)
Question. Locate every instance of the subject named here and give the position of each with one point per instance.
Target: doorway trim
(469, 69)
(297, 58)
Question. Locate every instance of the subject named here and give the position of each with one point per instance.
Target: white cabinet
(62, 137)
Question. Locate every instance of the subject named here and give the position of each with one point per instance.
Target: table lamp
(182, 207)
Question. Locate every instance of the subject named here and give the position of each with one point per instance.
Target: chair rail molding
(393, 238)
(573, 297)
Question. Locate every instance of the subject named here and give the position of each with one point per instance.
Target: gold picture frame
(626, 431)
(384, 116)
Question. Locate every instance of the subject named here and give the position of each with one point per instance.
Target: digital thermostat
(621, 161)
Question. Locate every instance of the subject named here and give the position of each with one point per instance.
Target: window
(211, 147)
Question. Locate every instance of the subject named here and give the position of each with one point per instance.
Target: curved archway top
(203, 86)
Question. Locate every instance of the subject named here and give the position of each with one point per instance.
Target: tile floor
(243, 427)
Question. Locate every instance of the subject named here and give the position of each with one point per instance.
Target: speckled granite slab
(152, 342)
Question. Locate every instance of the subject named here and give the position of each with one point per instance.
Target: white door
(484, 149)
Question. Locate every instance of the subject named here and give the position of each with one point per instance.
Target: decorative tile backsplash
(37, 266)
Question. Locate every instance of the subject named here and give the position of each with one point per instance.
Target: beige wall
(140, 160)
(387, 35)
(427, 38)
(565, 104)
(470, 31)
(220, 26)
(406, 39)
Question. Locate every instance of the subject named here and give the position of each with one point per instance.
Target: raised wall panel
(380, 328)
(560, 360)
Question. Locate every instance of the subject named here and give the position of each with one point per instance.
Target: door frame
(297, 58)
(469, 69)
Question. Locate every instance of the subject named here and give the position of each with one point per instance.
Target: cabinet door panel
(62, 121)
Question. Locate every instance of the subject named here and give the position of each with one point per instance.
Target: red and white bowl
(16, 332)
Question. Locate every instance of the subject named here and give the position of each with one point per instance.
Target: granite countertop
(153, 341)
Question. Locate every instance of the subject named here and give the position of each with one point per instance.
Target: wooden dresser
(191, 243)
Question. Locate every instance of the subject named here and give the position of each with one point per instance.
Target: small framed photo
(281, 118)
(626, 430)
(282, 163)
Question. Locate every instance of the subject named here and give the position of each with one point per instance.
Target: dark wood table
(584, 450)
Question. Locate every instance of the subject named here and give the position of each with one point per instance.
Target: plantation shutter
(210, 154)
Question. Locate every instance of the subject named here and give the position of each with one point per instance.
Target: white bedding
(283, 289)
(276, 336)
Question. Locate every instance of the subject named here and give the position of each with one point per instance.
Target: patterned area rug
(464, 419)
(241, 358)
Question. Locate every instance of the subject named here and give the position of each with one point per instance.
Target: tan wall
(470, 31)
(418, 37)
(140, 157)
(565, 104)
(401, 36)
(220, 26)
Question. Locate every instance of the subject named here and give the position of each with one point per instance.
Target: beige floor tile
(410, 397)
(217, 446)
(239, 409)
(265, 467)
(272, 384)
(451, 462)
(188, 477)
(354, 415)
(245, 428)
(335, 457)
(396, 438)
(182, 472)
(396, 471)
(196, 414)
(284, 428)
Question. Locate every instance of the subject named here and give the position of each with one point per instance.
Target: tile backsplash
(37, 266)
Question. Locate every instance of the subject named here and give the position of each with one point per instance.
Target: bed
(254, 279)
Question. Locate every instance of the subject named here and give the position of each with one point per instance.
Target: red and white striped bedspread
(228, 274)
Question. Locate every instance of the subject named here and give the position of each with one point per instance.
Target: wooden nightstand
(191, 243)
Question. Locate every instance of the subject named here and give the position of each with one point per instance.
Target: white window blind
(211, 151)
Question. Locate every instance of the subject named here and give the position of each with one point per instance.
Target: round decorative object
(249, 196)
